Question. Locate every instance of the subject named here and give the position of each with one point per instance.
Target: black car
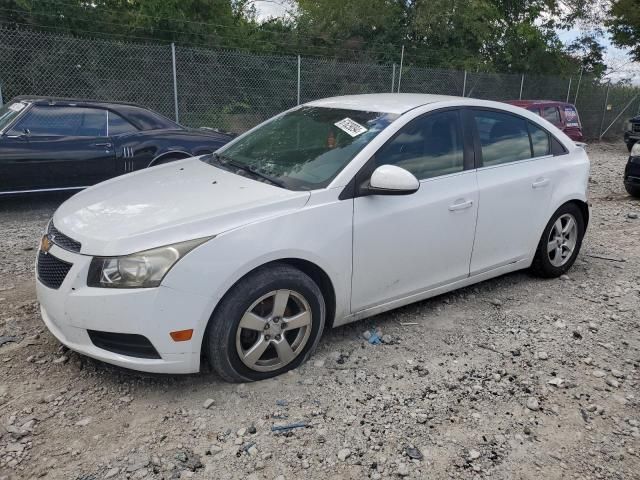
(51, 144)
(632, 176)
(632, 133)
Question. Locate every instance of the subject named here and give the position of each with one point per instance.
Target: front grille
(636, 127)
(127, 344)
(60, 239)
(51, 270)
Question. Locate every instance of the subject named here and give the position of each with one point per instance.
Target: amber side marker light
(182, 335)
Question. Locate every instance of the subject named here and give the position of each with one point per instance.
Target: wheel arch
(315, 272)
(177, 154)
(584, 208)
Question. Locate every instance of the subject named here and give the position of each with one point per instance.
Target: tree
(590, 54)
(625, 25)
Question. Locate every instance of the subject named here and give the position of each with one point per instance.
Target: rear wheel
(560, 242)
(268, 323)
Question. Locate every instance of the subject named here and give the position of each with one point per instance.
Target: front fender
(214, 267)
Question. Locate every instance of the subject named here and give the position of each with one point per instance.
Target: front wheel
(268, 323)
(560, 242)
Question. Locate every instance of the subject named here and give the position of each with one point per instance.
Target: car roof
(382, 102)
(143, 118)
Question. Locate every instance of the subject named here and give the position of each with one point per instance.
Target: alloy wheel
(274, 330)
(562, 240)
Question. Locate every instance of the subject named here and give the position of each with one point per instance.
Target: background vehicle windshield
(305, 149)
(9, 112)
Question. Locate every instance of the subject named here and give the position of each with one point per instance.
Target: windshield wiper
(224, 160)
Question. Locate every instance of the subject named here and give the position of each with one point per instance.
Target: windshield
(10, 111)
(306, 148)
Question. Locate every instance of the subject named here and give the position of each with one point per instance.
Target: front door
(57, 147)
(403, 245)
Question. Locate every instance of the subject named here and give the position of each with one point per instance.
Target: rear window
(551, 114)
(571, 116)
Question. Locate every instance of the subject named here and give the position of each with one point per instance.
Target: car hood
(167, 204)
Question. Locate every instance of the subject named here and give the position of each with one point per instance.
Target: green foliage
(625, 25)
(485, 35)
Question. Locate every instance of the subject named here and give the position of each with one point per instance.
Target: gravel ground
(514, 378)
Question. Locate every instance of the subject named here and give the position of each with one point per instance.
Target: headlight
(629, 126)
(635, 150)
(138, 270)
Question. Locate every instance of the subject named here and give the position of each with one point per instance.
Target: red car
(563, 115)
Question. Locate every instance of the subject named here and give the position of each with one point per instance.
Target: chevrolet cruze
(330, 212)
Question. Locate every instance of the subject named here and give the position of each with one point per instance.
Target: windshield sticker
(16, 107)
(352, 128)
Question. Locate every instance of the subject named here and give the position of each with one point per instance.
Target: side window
(503, 137)
(539, 140)
(63, 121)
(535, 110)
(118, 125)
(428, 147)
(551, 114)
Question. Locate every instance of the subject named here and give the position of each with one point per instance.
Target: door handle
(102, 145)
(540, 182)
(461, 205)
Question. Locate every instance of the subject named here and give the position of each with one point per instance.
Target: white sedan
(333, 211)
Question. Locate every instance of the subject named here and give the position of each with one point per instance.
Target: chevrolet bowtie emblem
(45, 244)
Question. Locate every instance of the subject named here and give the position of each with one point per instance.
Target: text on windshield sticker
(352, 128)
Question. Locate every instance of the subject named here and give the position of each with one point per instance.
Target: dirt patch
(512, 378)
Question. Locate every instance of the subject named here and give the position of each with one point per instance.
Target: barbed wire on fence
(234, 90)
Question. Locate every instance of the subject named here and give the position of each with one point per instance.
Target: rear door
(515, 180)
(55, 146)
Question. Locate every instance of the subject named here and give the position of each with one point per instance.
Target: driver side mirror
(391, 180)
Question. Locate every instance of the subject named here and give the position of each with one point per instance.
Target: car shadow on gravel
(32, 203)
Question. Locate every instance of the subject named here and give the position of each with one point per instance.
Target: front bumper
(631, 136)
(73, 309)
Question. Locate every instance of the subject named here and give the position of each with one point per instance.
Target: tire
(630, 145)
(633, 190)
(552, 264)
(253, 301)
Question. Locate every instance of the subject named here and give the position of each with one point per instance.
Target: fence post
(393, 78)
(401, 62)
(569, 89)
(1, 102)
(299, 61)
(521, 86)
(464, 84)
(575, 100)
(604, 111)
(175, 82)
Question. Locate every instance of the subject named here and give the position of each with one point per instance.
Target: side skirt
(416, 297)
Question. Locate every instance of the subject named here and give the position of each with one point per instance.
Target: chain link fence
(234, 91)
